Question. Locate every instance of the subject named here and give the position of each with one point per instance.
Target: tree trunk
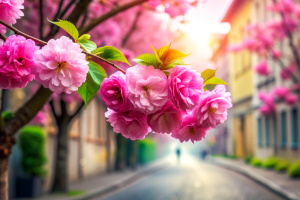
(60, 183)
(4, 177)
(120, 155)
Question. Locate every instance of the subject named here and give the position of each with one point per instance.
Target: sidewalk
(105, 183)
(277, 182)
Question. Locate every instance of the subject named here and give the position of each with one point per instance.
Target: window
(283, 129)
(267, 128)
(260, 144)
(295, 128)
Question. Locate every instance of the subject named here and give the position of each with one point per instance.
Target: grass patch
(225, 156)
(75, 193)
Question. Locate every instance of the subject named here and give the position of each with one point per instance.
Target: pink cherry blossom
(61, 66)
(212, 109)
(166, 120)
(190, 130)
(131, 124)
(177, 7)
(16, 60)
(10, 12)
(276, 54)
(265, 110)
(280, 91)
(262, 68)
(291, 99)
(114, 93)
(185, 87)
(147, 87)
(39, 119)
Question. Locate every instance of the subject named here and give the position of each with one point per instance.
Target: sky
(201, 22)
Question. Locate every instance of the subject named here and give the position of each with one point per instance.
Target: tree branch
(41, 27)
(77, 111)
(58, 10)
(55, 114)
(293, 77)
(132, 28)
(108, 15)
(3, 92)
(16, 31)
(27, 112)
(66, 9)
(290, 38)
(3, 37)
(80, 8)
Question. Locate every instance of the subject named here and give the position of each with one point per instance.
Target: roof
(234, 6)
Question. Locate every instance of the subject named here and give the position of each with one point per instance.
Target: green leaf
(209, 87)
(208, 74)
(68, 27)
(215, 81)
(156, 55)
(87, 45)
(146, 59)
(111, 54)
(85, 36)
(94, 78)
(179, 62)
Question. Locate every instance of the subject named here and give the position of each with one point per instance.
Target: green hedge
(255, 162)
(32, 143)
(146, 151)
(282, 165)
(270, 163)
(248, 159)
(294, 169)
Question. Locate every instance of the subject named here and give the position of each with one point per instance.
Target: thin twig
(132, 28)
(16, 31)
(3, 37)
(68, 6)
(77, 111)
(84, 19)
(108, 15)
(293, 77)
(58, 10)
(41, 27)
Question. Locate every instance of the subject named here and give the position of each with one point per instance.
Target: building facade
(240, 79)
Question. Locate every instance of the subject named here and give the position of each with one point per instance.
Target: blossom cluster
(280, 93)
(146, 99)
(10, 12)
(60, 65)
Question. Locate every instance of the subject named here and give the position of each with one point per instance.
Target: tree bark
(120, 154)
(4, 177)
(60, 183)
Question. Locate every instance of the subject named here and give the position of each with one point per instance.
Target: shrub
(146, 150)
(270, 163)
(248, 159)
(255, 162)
(32, 144)
(294, 169)
(282, 165)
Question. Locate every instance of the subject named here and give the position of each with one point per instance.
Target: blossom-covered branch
(41, 42)
(109, 14)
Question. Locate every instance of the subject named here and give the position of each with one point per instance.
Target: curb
(110, 188)
(257, 178)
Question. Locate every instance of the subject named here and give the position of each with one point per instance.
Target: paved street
(189, 180)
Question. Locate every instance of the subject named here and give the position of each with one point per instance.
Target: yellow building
(241, 78)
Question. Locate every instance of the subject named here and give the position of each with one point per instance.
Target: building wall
(241, 82)
(268, 141)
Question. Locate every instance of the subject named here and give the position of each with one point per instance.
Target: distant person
(203, 154)
(178, 153)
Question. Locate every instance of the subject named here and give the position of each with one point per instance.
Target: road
(193, 180)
